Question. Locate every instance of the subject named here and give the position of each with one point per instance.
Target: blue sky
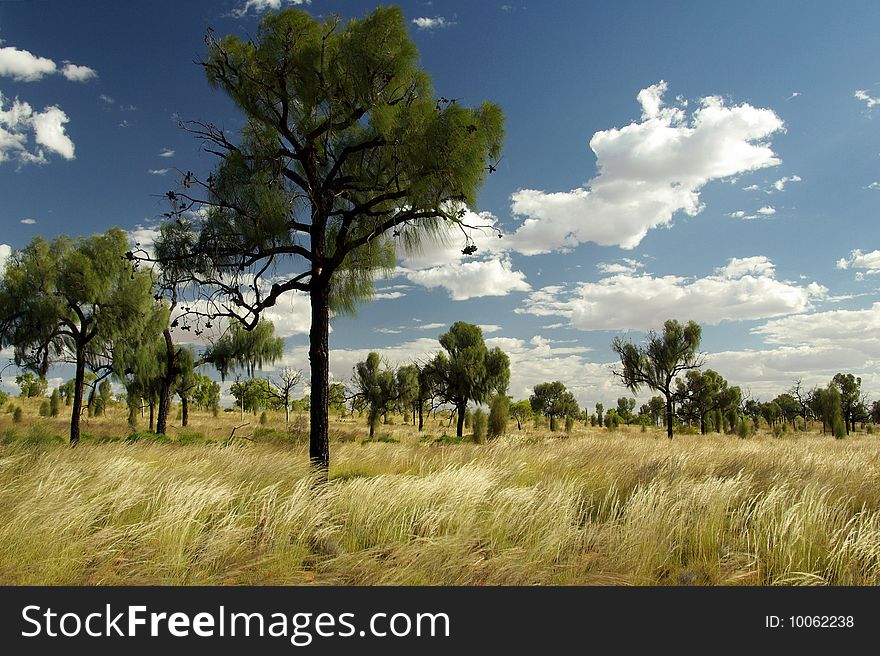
(714, 161)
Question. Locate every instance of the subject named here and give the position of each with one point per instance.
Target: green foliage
(250, 394)
(54, 403)
(521, 411)
(31, 386)
(554, 401)
(244, 349)
(744, 429)
(599, 418)
(479, 426)
(17, 415)
(205, 393)
(3, 397)
(374, 389)
(662, 357)
(468, 371)
(499, 411)
(45, 410)
(263, 418)
(569, 423)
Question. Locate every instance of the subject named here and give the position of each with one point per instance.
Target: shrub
(44, 408)
(498, 411)
(54, 403)
(869, 429)
(3, 397)
(468, 417)
(743, 430)
(17, 415)
(839, 428)
(778, 431)
(569, 423)
(479, 425)
(263, 418)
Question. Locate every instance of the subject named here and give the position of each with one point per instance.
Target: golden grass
(594, 508)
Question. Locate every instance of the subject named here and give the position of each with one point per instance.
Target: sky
(710, 161)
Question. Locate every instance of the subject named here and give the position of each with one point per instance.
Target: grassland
(596, 507)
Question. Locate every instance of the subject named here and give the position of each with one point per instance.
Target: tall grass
(590, 509)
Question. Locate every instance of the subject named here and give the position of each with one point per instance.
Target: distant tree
(850, 388)
(245, 350)
(521, 411)
(468, 371)
(345, 153)
(31, 386)
(250, 394)
(374, 389)
(206, 394)
(553, 401)
(625, 407)
(337, 398)
(875, 412)
(659, 361)
(802, 396)
(408, 390)
(830, 407)
(71, 301)
(703, 393)
(282, 389)
(479, 426)
(789, 407)
(499, 410)
(54, 403)
(599, 419)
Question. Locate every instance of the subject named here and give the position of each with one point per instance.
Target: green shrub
(263, 418)
(743, 429)
(54, 403)
(839, 428)
(869, 429)
(569, 423)
(479, 422)
(778, 431)
(44, 408)
(17, 415)
(498, 411)
(468, 417)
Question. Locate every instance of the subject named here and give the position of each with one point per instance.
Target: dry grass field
(595, 507)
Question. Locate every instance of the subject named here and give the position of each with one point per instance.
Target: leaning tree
(657, 363)
(71, 302)
(346, 155)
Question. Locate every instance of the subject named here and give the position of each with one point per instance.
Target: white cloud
(5, 252)
(19, 123)
(626, 265)
(752, 187)
(767, 210)
(472, 279)
(854, 329)
(23, 66)
(106, 99)
(648, 171)
(739, 214)
(487, 272)
(859, 260)
(387, 295)
(166, 152)
(794, 95)
(489, 328)
(430, 326)
(49, 131)
(76, 73)
(259, 6)
(862, 94)
(28, 221)
(426, 23)
(158, 171)
(779, 185)
(744, 289)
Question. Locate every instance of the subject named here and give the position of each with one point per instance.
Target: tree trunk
(167, 381)
(77, 395)
(184, 411)
(552, 423)
(421, 417)
(669, 417)
(152, 416)
(703, 430)
(319, 360)
(459, 429)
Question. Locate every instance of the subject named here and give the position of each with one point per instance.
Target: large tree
(658, 362)
(851, 403)
(346, 154)
(69, 301)
(468, 371)
(374, 388)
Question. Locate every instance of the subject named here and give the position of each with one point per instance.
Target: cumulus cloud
(435, 23)
(870, 101)
(487, 272)
(767, 210)
(76, 73)
(260, 6)
(745, 288)
(779, 185)
(855, 329)
(870, 262)
(5, 252)
(19, 124)
(648, 171)
(24, 66)
(626, 265)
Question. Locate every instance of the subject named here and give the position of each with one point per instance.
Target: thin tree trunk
(460, 409)
(167, 380)
(669, 417)
(319, 360)
(152, 416)
(421, 417)
(184, 411)
(77, 395)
